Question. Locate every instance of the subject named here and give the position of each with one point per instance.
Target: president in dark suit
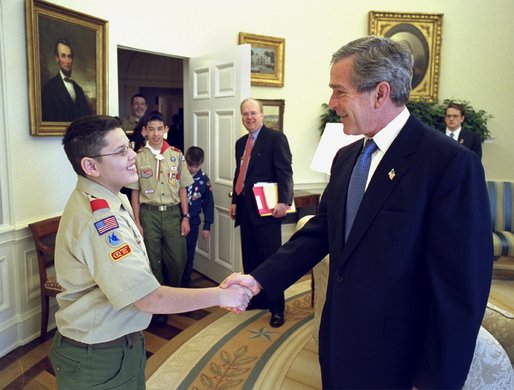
(453, 117)
(409, 279)
(63, 100)
(262, 155)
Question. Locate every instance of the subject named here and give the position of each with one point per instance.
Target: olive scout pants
(117, 364)
(165, 246)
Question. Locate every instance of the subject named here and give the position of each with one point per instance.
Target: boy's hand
(206, 234)
(184, 227)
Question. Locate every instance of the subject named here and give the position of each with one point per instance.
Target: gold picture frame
(423, 34)
(78, 36)
(267, 59)
(273, 113)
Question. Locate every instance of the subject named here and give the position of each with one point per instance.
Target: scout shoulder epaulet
(176, 149)
(98, 204)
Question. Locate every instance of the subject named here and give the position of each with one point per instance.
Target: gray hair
(379, 59)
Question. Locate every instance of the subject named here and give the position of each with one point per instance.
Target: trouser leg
(151, 222)
(191, 240)
(173, 248)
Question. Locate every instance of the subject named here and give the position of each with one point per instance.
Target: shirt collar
(98, 191)
(385, 137)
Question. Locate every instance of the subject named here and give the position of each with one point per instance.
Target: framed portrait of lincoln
(67, 66)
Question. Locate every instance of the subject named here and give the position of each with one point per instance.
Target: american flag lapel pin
(391, 174)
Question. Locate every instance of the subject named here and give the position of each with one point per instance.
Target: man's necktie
(452, 136)
(244, 165)
(357, 184)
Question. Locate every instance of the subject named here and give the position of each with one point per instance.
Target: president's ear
(382, 91)
(90, 166)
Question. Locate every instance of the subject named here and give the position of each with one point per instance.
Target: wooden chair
(44, 233)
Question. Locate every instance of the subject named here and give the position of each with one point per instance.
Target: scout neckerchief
(158, 155)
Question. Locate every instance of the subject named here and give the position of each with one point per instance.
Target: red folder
(266, 197)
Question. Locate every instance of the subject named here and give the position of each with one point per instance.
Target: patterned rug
(240, 351)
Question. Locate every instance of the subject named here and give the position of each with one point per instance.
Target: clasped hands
(245, 288)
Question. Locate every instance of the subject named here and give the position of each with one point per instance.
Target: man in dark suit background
(408, 287)
(270, 161)
(453, 117)
(63, 100)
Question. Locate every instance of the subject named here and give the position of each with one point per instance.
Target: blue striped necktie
(357, 184)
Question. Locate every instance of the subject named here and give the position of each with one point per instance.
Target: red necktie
(244, 165)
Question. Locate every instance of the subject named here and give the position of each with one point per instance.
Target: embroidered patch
(146, 173)
(120, 253)
(114, 239)
(173, 159)
(106, 225)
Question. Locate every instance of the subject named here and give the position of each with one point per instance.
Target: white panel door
(218, 82)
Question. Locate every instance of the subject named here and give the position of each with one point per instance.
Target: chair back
(44, 233)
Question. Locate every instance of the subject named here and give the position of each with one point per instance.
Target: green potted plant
(432, 114)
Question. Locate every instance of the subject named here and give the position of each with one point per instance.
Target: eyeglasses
(122, 152)
(449, 116)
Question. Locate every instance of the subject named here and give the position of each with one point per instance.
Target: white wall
(476, 64)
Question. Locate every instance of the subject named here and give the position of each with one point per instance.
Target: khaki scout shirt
(101, 262)
(160, 180)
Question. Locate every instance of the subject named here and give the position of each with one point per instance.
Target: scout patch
(106, 225)
(146, 173)
(120, 253)
(114, 239)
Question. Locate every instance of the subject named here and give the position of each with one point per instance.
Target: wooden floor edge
(158, 358)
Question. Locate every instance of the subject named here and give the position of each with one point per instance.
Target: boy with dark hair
(101, 262)
(159, 200)
(199, 197)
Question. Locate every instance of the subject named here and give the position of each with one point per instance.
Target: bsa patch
(173, 159)
(120, 253)
(146, 173)
(114, 239)
(106, 225)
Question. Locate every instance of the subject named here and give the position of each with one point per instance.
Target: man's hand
(235, 298)
(232, 211)
(279, 210)
(206, 234)
(247, 281)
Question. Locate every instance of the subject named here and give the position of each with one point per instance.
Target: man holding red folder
(263, 155)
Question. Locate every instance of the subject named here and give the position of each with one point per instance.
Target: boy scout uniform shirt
(161, 178)
(101, 262)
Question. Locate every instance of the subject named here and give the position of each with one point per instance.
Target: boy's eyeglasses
(122, 152)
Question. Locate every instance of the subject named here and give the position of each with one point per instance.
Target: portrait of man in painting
(67, 57)
(418, 45)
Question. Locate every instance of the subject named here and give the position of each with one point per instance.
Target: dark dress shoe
(277, 320)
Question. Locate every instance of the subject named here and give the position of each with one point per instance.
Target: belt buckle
(163, 208)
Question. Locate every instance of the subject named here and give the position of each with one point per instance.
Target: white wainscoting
(20, 307)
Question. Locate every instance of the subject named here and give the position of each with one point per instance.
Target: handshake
(237, 290)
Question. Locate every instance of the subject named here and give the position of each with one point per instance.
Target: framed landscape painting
(273, 113)
(267, 59)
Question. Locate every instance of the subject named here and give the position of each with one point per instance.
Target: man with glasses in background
(454, 116)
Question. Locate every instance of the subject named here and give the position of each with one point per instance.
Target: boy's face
(115, 170)
(154, 132)
(194, 168)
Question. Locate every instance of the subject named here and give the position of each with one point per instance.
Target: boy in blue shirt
(199, 197)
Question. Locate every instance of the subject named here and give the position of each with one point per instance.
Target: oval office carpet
(242, 351)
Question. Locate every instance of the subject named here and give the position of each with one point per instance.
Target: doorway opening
(160, 79)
